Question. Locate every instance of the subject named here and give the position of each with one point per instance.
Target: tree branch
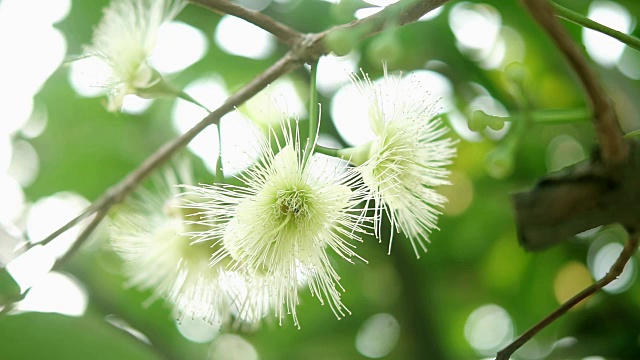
(614, 148)
(284, 33)
(614, 272)
(576, 18)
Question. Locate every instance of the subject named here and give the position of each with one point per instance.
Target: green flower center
(293, 202)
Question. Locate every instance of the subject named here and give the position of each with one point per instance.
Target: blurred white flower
(279, 225)
(407, 160)
(149, 236)
(124, 40)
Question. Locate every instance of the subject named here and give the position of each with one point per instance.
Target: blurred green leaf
(9, 289)
(54, 336)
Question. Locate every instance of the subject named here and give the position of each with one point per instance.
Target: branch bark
(586, 195)
(614, 272)
(284, 33)
(614, 148)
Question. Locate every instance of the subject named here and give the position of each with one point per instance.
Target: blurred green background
(473, 291)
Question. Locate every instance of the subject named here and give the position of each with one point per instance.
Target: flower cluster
(222, 252)
(292, 208)
(150, 237)
(407, 160)
(276, 230)
(124, 40)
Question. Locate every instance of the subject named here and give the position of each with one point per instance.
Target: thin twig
(576, 18)
(617, 268)
(614, 148)
(86, 213)
(82, 237)
(284, 33)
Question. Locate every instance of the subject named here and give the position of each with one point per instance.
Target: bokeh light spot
(133, 104)
(459, 193)
(211, 92)
(350, 115)
(476, 28)
(239, 37)
(6, 152)
(333, 71)
(87, 76)
(378, 335)
(572, 278)
(382, 3)
(178, 46)
(28, 268)
(602, 258)
(198, 330)
(350, 108)
(232, 347)
(563, 150)
(13, 200)
(366, 12)
(602, 48)
(629, 63)
(488, 328)
(58, 293)
(432, 14)
(279, 100)
(239, 143)
(50, 213)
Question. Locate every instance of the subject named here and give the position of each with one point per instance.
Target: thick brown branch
(398, 14)
(614, 272)
(284, 33)
(614, 148)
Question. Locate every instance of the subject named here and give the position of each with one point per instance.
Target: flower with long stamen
(407, 159)
(149, 236)
(124, 40)
(293, 208)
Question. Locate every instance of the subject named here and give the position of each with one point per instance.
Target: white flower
(406, 161)
(124, 39)
(149, 236)
(279, 225)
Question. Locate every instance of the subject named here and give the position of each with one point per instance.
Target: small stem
(82, 238)
(632, 134)
(327, 151)
(86, 213)
(313, 108)
(184, 96)
(582, 20)
(614, 149)
(564, 116)
(219, 177)
(614, 272)
(546, 117)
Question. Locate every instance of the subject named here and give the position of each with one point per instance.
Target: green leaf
(54, 336)
(9, 289)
